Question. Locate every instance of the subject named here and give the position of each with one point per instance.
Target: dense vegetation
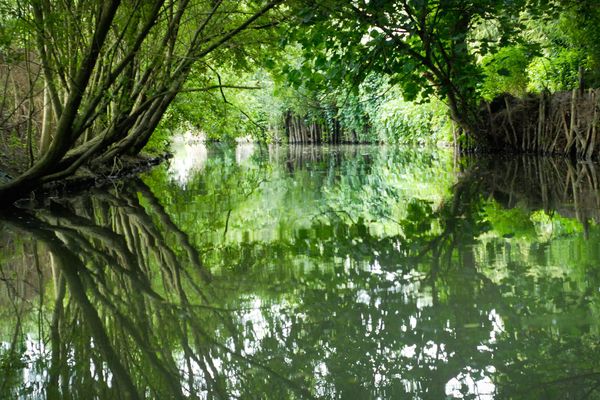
(110, 69)
(86, 83)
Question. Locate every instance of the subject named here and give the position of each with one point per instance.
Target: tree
(112, 68)
(428, 47)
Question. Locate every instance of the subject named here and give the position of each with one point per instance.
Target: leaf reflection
(329, 292)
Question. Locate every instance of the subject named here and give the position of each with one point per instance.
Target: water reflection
(550, 184)
(304, 272)
(189, 157)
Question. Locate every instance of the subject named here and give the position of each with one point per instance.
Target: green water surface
(308, 272)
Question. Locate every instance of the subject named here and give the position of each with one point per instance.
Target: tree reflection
(571, 189)
(136, 306)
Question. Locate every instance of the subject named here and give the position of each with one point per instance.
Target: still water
(309, 272)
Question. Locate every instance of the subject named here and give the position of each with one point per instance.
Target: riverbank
(86, 178)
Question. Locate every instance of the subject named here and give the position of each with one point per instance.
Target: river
(357, 272)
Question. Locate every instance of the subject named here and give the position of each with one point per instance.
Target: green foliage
(580, 23)
(554, 225)
(374, 112)
(556, 39)
(505, 72)
(424, 47)
(560, 72)
(515, 222)
(128, 61)
(557, 67)
(341, 63)
(358, 66)
(160, 140)
(244, 106)
(400, 121)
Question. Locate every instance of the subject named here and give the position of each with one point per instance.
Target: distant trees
(111, 68)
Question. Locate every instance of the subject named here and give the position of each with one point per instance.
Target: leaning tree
(111, 68)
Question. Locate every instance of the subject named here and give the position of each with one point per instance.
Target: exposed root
(565, 123)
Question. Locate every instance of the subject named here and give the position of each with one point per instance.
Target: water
(307, 272)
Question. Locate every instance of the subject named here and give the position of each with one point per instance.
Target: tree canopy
(111, 69)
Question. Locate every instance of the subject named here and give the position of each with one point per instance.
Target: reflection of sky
(34, 357)
(477, 382)
(260, 324)
(243, 151)
(469, 384)
(189, 156)
(253, 316)
(263, 320)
